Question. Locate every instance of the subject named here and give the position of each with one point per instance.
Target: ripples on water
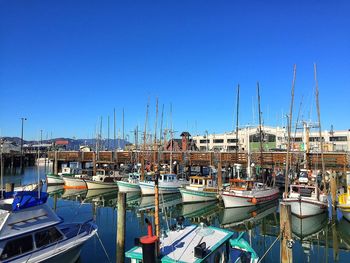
(261, 225)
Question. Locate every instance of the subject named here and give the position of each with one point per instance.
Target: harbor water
(321, 238)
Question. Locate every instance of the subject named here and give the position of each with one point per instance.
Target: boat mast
(171, 138)
(260, 132)
(144, 146)
(289, 126)
(237, 111)
(155, 135)
(2, 167)
(319, 127)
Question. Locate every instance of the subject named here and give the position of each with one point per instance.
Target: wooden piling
(219, 175)
(286, 230)
(121, 227)
(94, 163)
(333, 185)
(55, 164)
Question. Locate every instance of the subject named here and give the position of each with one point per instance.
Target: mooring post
(333, 185)
(121, 227)
(286, 233)
(55, 166)
(94, 163)
(219, 175)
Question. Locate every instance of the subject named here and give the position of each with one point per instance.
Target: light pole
(23, 119)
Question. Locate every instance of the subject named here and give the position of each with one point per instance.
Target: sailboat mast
(319, 126)
(286, 179)
(237, 114)
(123, 126)
(171, 138)
(144, 145)
(114, 130)
(260, 131)
(155, 134)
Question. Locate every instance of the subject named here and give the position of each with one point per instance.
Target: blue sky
(63, 64)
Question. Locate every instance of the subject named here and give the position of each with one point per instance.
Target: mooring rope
(104, 249)
(267, 251)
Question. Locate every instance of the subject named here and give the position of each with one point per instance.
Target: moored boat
(131, 184)
(242, 193)
(306, 200)
(200, 189)
(344, 204)
(32, 232)
(54, 179)
(168, 184)
(101, 181)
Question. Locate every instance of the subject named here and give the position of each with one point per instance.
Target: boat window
(17, 246)
(47, 237)
(165, 178)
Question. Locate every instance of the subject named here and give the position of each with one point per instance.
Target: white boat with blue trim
(131, 184)
(168, 184)
(31, 232)
(200, 189)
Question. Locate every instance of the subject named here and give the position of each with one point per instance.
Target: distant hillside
(74, 144)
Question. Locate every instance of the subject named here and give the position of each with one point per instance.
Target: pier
(338, 162)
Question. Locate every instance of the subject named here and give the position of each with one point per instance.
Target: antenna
(260, 130)
(237, 114)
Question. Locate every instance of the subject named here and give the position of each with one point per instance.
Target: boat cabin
(303, 190)
(201, 181)
(241, 184)
(167, 177)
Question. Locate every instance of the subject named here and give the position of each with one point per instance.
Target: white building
(274, 138)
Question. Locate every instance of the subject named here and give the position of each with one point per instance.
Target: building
(274, 138)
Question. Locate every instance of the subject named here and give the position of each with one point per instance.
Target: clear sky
(63, 64)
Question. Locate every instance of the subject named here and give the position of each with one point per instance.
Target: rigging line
(267, 251)
(104, 249)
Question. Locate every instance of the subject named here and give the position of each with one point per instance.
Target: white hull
(54, 180)
(306, 207)
(74, 183)
(127, 187)
(192, 196)
(148, 189)
(100, 185)
(242, 199)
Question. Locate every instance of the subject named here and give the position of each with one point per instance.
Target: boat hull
(240, 200)
(305, 207)
(100, 185)
(148, 189)
(52, 179)
(192, 196)
(127, 187)
(74, 183)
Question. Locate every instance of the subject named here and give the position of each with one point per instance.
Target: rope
(273, 243)
(104, 249)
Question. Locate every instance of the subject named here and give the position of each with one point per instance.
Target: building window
(204, 141)
(47, 236)
(232, 148)
(232, 140)
(16, 247)
(298, 139)
(315, 139)
(338, 138)
(218, 140)
(202, 148)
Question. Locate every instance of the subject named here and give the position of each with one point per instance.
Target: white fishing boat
(76, 182)
(306, 200)
(54, 179)
(101, 181)
(57, 179)
(131, 184)
(242, 193)
(200, 189)
(31, 232)
(168, 184)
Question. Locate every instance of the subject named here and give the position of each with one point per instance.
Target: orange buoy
(254, 201)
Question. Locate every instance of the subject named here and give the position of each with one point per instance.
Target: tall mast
(155, 134)
(144, 145)
(260, 132)
(108, 133)
(123, 126)
(289, 130)
(319, 126)
(171, 138)
(114, 130)
(237, 114)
